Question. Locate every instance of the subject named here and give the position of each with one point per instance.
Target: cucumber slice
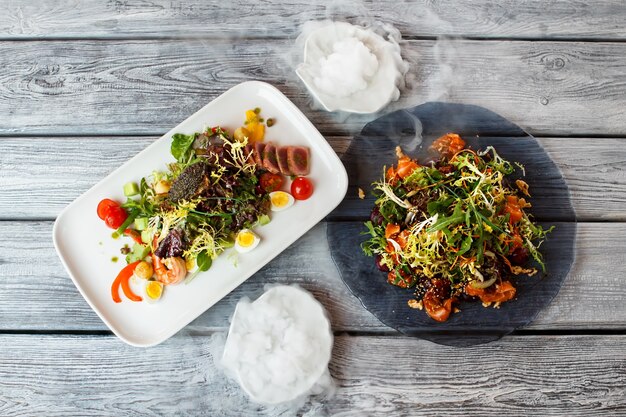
(141, 223)
(131, 189)
(145, 236)
(139, 252)
(263, 219)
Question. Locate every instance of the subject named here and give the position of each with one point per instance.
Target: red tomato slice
(301, 188)
(104, 206)
(115, 217)
(271, 182)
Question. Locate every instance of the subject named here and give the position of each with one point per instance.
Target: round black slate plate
(364, 160)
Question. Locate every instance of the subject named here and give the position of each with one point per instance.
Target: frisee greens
(456, 221)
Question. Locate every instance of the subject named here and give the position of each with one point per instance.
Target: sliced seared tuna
(258, 153)
(281, 154)
(270, 160)
(248, 151)
(298, 160)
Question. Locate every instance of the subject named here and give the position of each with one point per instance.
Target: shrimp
(169, 270)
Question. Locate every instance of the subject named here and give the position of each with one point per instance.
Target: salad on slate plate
(455, 229)
(219, 189)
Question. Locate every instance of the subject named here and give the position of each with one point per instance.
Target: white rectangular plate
(86, 248)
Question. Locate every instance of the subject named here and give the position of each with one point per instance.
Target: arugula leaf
(181, 146)
(480, 250)
(433, 208)
(439, 206)
(443, 222)
(465, 246)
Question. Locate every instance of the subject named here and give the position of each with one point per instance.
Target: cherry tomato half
(271, 182)
(115, 217)
(301, 188)
(104, 206)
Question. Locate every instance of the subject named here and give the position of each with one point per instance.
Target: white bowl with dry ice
(351, 68)
(278, 346)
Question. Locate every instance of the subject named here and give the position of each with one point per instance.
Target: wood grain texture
(54, 171)
(531, 376)
(178, 18)
(149, 86)
(40, 296)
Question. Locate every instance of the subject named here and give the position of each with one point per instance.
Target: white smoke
(216, 373)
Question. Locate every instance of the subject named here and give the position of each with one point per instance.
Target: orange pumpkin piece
(514, 208)
(391, 230)
(497, 293)
(437, 309)
(448, 145)
(406, 166)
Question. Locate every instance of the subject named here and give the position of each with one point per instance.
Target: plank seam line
(517, 333)
(391, 333)
(9, 135)
(581, 39)
(288, 37)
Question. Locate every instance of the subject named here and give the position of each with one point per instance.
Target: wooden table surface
(85, 85)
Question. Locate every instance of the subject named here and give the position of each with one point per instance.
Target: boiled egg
(246, 240)
(281, 200)
(153, 291)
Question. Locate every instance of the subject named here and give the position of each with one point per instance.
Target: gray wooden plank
(148, 86)
(54, 171)
(594, 171)
(37, 294)
(166, 18)
(524, 375)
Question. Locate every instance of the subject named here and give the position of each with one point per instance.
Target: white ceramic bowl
(382, 88)
(302, 307)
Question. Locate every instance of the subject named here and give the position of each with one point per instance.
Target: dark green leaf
(433, 207)
(204, 261)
